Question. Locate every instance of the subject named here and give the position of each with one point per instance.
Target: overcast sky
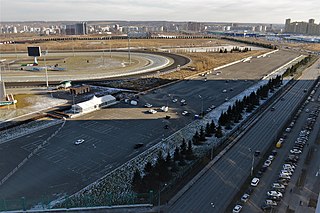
(263, 11)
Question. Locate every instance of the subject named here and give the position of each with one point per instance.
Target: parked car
(267, 163)
(185, 113)
(138, 145)
(255, 181)
(271, 202)
(245, 197)
(295, 151)
(79, 141)
(266, 207)
(148, 105)
(274, 194)
(237, 208)
(278, 186)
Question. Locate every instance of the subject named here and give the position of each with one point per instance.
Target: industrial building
(95, 103)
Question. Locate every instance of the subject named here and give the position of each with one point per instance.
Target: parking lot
(110, 134)
(279, 177)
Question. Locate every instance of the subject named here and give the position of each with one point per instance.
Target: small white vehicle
(182, 101)
(185, 113)
(152, 111)
(274, 194)
(271, 203)
(245, 197)
(164, 109)
(278, 186)
(148, 105)
(175, 100)
(255, 181)
(237, 208)
(267, 163)
(79, 141)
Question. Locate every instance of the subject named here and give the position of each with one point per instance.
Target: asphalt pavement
(215, 189)
(110, 134)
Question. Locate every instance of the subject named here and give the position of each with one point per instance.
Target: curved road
(151, 63)
(215, 189)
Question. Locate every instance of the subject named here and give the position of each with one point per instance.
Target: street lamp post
(160, 190)
(46, 69)
(129, 54)
(252, 162)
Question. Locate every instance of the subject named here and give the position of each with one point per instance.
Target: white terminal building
(95, 103)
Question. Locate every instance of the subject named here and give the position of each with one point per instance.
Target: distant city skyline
(249, 11)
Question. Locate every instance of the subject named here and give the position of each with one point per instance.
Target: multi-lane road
(215, 189)
(111, 133)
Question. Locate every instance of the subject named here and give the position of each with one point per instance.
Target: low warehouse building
(94, 104)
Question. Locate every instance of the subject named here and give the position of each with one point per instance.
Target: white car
(274, 194)
(278, 186)
(182, 101)
(267, 163)
(152, 111)
(79, 141)
(237, 209)
(185, 113)
(271, 203)
(245, 197)
(271, 157)
(255, 181)
(284, 176)
(148, 105)
(286, 172)
(295, 151)
(175, 100)
(224, 91)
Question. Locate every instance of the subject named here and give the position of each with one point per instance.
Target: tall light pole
(129, 54)
(252, 162)
(44, 53)
(160, 190)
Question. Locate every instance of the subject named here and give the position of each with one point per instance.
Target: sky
(252, 11)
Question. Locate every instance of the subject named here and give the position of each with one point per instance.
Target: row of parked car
(255, 181)
(275, 195)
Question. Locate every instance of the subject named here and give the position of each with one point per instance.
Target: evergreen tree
(189, 151)
(208, 130)
(183, 147)
(219, 133)
(202, 136)
(168, 160)
(136, 181)
(196, 138)
(148, 168)
(212, 127)
(176, 155)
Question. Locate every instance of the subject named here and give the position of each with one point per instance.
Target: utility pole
(129, 54)
(46, 69)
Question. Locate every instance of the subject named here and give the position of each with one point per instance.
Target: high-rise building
(77, 29)
(194, 26)
(306, 28)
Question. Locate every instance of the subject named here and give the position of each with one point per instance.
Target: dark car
(274, 198)
(138, 145)
(263, 168)
(266, 207)
(259, 174)
(183, 104)
(256, 153)
(249, 191)
(274, 152)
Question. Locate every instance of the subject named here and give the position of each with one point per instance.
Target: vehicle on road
(175, 100)
(79, 141)
(272, 108)
(182, 101)
(274, 194)
(255, 181)
(284, 176)
(237, 208)
(257, 153)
